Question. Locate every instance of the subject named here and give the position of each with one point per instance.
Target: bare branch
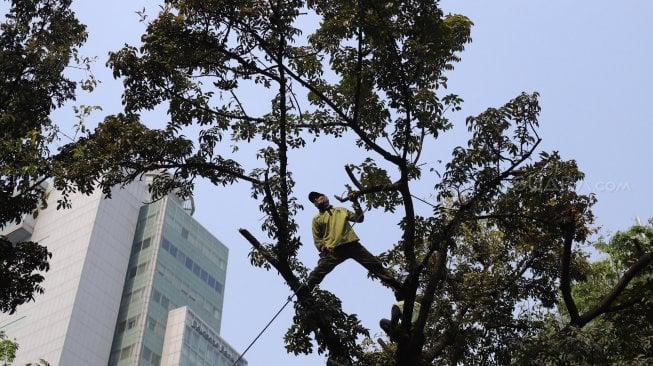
(352, 177)
(604, 305)
(373, 189)
(565, 277)
(448, 336)
(205, 165)
(258, 246)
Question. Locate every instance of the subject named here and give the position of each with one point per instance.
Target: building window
(181, 256)
(165, 302)
(132, 322)
(165, 244)
(191, 265)
(204, 275)
(132, 272)
(146, 243)
(126, 352)
(137, 294)
(147, 353)
(184, 233)
(142, 268)
(173, 250)
(151, 324)
(156, 296)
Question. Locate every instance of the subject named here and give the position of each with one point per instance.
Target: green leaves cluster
(21, 267)
(38, 40)
(7, 349)
(347, 327)
(623, 336)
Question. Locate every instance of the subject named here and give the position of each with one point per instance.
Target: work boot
(385, 324)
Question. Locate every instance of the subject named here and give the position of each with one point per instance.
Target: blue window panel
(204, 275)
(189, 263)
(173, 250)
(211, 281)
(181, 257)
(218, 287)
(196, 269)
(165, 244)
(156, 295)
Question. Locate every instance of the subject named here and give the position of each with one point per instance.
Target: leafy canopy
(38, 40)
(501, 229)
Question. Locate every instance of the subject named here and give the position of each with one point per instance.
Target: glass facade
(174, 262)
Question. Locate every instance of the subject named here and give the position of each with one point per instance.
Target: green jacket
(331, 227)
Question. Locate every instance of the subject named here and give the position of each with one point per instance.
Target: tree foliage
(39, 39)
(505, 217)
(21, 266)
(7, 349)
(624, 335)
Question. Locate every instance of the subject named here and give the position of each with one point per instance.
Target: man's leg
(390, 325)
(385, 325)
(327, 262)
(373, 264)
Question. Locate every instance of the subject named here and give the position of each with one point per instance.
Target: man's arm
(357, 215)
(318, 236)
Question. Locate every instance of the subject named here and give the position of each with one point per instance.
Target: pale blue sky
(589, 60)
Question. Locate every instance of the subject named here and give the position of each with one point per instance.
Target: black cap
(314, 195)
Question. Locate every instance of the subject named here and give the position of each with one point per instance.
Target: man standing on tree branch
(337, 242)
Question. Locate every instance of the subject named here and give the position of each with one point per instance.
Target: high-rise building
(131, 282)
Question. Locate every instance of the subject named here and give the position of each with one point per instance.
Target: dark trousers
(354, 250)
(390, 325)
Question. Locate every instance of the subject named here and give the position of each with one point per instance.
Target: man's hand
(353, 196)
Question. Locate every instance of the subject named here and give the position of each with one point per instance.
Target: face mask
(324, 204)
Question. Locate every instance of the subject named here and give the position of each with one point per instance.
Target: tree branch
(359, 67)
(328, 101)
(272, 206)
(204, 165)
(447, 338)
(323, 323)
(416, 341)
(604, 305)
(353, 178)
(565, 276)
(467, 206)
(258, 246)
(373, 189)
